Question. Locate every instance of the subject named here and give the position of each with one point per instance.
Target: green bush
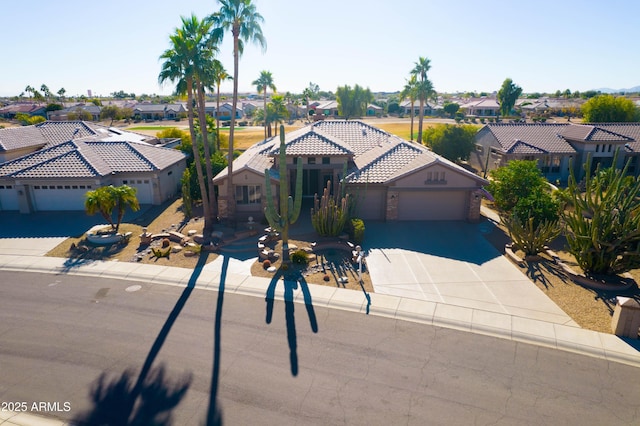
(299, 257)
(356, 230)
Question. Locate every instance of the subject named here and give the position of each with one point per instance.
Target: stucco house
(558, 146)
(391, 178)
(10, 111)
(485, 107)
(51, 166)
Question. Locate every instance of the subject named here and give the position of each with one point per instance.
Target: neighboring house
(485, 107)
(250, 107)
(226, 110)
(10, 111)
(327, 109)
(158, 111)
(67, 159)
(63, 114)
(428, 108)
(374, 111)
(391, 179)
(556, 147)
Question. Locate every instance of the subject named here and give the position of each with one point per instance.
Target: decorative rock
(189, 253)
(271, 269)
(191, 232)
(343, 280)
(176, 249)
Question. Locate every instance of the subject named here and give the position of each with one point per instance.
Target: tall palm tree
(179, 67)
(262, 83)
(242, 18)
(424, 88)
(409, 92)
(280, 111)
(219, 75)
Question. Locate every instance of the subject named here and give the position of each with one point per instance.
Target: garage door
(143, 188)
(59, 197)
(445, 205)
(8, 198)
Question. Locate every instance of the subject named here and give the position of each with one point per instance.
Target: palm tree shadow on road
(291, 282)
(149, 399)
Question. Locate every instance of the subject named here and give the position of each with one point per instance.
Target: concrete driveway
(452, 263)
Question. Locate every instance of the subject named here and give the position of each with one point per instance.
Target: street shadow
(214, 413)
(290, 282)
(150, 398)
(117, 401)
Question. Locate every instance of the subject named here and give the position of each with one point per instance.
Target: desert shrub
(266, 264)
(326, 277)
(356, 230)
(300, 257)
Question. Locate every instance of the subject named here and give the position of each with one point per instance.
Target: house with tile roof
(51, 166)
(11, 110)
(485, 107)
(557, 147)
(391, 178)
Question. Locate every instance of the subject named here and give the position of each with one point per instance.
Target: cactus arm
(294, 211)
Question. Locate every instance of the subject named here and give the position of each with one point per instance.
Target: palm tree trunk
(218, 118)
(412, 114)
(231, 202)
(196, 151)
(265, 113)
(211, 214)
(420, 118)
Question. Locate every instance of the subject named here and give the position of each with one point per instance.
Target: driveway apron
(452, 263)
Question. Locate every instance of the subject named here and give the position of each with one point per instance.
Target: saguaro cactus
(289, 209)
(329, 214)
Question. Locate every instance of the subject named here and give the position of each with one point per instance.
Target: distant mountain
(634, 89)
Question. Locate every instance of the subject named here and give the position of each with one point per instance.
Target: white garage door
(144, 190)
(59, 197)
(8, 198)
(434, 205)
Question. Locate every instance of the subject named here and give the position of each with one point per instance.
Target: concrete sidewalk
(539, 331)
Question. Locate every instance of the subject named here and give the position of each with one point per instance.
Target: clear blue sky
(543, 45)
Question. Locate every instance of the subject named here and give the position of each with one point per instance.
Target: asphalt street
(101, 346)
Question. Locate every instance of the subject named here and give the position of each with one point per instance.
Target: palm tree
(278, 110)
(107, 198)
(219, 75)
(424, 88)
(264, 82)
(409, 91)
(179, 67)
(241, 17)
(30, 90)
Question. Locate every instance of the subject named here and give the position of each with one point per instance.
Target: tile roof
(20, 137)
(378, 156)
(52, 133)
(525, 138)
(90, 159)
(592, 133)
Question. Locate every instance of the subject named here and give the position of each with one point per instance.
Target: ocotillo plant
(289, 210)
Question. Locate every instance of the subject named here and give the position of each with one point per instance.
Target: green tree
(409, 92)
(507, 96)
(107, 198)
(111, 112)
(279, 111)
(353, 102)
(451, 108)
(243, 20)
(61, 94)
(262, 83)
(46, 92)
(424, 88)
(603, 228)
(80, 114)
(526, 207)
(453, 142)
(179, 66)
(610, 109)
